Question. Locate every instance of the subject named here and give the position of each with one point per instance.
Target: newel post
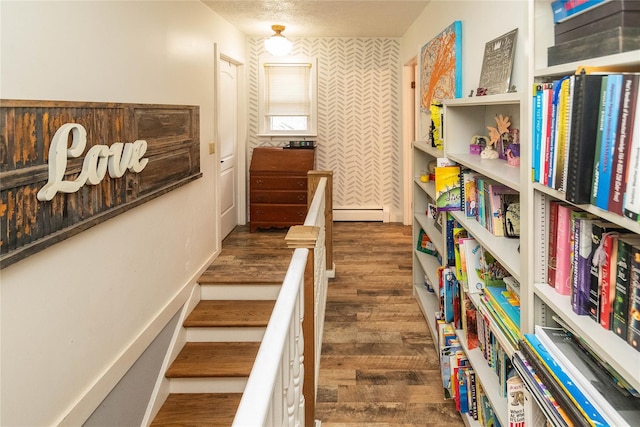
(301, 236)
(313, 178)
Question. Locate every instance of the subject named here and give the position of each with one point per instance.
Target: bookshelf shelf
(429, 305)
(496, 169)
(428, 187)
(504, 249)
(425, 266)
(625, 222)
(613, 350)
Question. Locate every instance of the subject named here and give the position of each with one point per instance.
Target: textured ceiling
(321, 18)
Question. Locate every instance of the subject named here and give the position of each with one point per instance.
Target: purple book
(581, 275)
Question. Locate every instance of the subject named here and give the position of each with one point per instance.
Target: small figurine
(492, 151)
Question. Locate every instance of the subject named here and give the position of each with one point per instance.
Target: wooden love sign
(67, 166)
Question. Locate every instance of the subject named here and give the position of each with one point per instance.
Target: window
(287, 103)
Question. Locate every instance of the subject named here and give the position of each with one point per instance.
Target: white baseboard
(361, 214)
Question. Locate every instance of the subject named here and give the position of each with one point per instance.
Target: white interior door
(228, 134)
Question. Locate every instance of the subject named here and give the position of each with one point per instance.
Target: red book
(609, 257)
(553, 229)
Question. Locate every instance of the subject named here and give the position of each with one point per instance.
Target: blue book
(510, 308)
(602, 173)
(564, 9)
(566, 383)
(537, 130)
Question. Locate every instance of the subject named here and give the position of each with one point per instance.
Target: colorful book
(584, 128)
(564, 249)
(626, 119)
(470, 196)
(496, 208)
(598, 229)
(602, 171)
(632, 186)
(580, 278)
(620, 321)
(447, 185)
(552, 258)
(607, 277)
(565, 9)
(547, 96)
(563, 130)
(515, 402)
(633, 333)
(566, 383)
(537, 130)
(473, 257)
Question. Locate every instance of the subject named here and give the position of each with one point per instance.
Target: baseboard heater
(361, 213)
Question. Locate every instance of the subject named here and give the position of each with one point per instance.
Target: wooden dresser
(278, 186)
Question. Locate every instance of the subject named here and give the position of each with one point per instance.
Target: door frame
(409, 131)
(241, 155)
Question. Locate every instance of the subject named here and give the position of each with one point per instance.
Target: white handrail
(262, 403)
(273, 395)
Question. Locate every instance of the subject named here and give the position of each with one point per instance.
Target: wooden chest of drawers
(278, 186)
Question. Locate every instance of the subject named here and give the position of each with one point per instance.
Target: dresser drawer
(281, 182)
(279, 197)
(278, 213)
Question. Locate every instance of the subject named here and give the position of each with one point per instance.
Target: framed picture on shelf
(440, 73)
(497, 64)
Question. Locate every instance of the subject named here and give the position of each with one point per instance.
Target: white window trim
(313, 78)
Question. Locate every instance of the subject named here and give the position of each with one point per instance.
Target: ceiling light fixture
(277, 44)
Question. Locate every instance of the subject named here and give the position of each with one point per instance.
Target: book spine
(621, 301)
(607, 149)
(565, 9)
(562, 130)
(625, 123)
(515, 402)
(563, 251)
(584, 126)
(553, 133)
(594, 270)
(633, 333)
(473, 394)
(598, 147)
(632, 187)
(547, 114)
(552, 258)
(537, 130)
(607, 273)
(574, 275)
(565, 154)
(583, 271)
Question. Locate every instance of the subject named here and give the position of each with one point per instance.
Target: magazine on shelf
(616, 407)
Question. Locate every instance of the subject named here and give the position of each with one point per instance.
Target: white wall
(75, 316)
(482, 21)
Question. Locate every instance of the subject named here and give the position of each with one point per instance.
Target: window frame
(264, 128)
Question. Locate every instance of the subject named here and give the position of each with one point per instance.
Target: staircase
(223, 334)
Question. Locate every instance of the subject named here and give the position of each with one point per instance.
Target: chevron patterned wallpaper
(358, 116)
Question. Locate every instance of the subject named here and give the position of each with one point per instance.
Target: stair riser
(225, 334)
(239, 292)
(207, 385)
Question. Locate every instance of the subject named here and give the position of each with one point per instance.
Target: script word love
(100, 158)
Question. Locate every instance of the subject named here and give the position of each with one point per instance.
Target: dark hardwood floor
(378, 367)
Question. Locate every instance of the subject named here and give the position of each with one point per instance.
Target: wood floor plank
(375, 331)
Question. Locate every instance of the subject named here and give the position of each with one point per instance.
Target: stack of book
(572, 387)
(586, 138)
(591, 28)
